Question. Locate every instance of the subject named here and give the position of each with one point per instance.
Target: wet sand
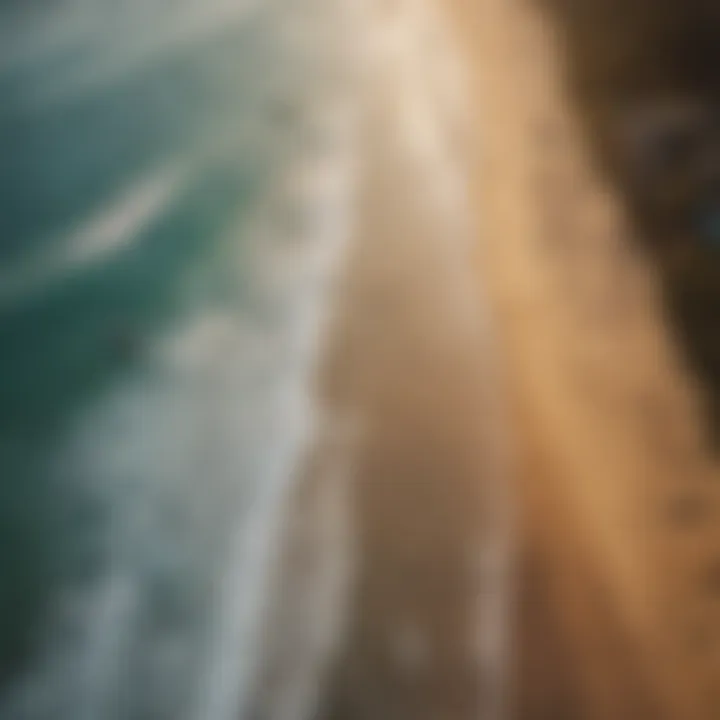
(414, 359)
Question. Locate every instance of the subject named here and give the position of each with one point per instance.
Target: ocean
(176, 186)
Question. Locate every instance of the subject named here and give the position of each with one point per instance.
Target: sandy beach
(356, 362)
(607, 409)
(529, 434)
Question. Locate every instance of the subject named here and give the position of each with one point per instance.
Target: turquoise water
(142, 146)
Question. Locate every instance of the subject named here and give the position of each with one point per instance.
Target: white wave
(292, 273)
(315, 580)
(123, 221)
(191, 460)
(106, 232)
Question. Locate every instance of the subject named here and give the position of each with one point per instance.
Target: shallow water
(175, 187)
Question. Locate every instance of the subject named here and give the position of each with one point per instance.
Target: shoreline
(411, 359)
(595, 588)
